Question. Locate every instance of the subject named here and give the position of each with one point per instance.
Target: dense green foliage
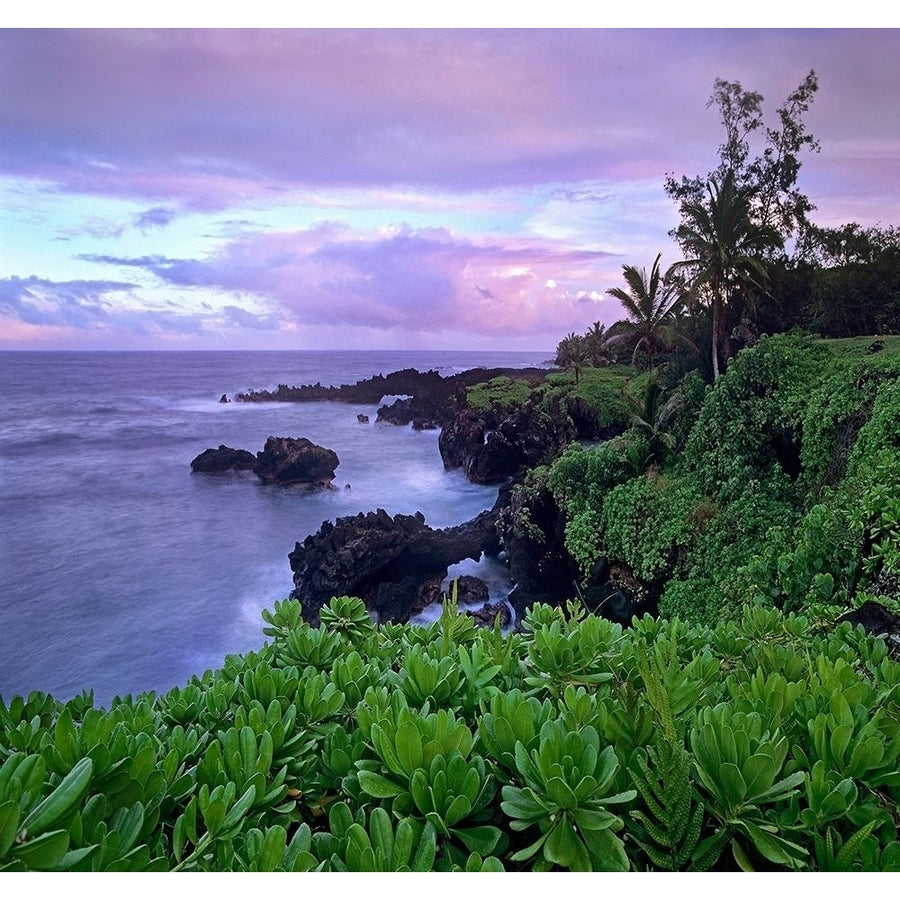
(500, 394)
(780, 487)
(596, 391)
(767, 743)
(743, 729)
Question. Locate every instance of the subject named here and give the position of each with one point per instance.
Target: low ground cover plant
(771, 743)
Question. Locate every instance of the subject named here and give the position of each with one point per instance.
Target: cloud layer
(455, 184)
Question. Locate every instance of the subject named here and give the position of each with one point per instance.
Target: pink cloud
(403, 279)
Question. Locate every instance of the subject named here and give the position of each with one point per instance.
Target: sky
(421, 188)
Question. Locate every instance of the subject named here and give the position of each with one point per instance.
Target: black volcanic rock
(224, 459)
(541, 568)
(286, 460)
(877, 620)
(390, 562)
(461, 438)
(470, 589)
(423, 412)
(404, 383)
(487, 615)
(492, 447)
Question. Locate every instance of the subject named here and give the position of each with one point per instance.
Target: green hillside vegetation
(780, 485)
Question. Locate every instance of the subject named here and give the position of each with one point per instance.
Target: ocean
(121, 570)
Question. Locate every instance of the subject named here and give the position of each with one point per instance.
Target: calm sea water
(121, 571)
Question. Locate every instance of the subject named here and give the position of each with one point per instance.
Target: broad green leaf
(378, 786)
(561, 794)
(72, 858)
(9, 825)
(381, 833)
(64, 798)
(408, 742)
(240, 808)
(840, 740)
(730, 786)
(521, 804)
(44, 852)
(426, 852)
(759, 772)
(783, 788)
(128, 824)
(562, 844)
(773, 847)
(66, 737)
(214, 816)
(458, 809)
(607, 851)
(594, 819)
(403, 843)
(481, 839)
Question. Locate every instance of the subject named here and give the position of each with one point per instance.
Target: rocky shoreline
(397, 564)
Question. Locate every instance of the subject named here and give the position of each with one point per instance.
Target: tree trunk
(716, 315)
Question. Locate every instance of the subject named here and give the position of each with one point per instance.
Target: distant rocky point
(431, 388)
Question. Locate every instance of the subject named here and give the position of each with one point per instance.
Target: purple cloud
(39, 301)
(427, 280)
(522, 135)
(209, 116)
(157, 217)
(40, 309)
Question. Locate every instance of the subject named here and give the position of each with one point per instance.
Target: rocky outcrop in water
(283, 460)
(286, 460)
(223, 459)
(395, 564)
(491, 613)
(420, 412)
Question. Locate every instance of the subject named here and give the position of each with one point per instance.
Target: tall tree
(725, 246)
(651, 304)
(765, 160)
(572, 353)
(598, 346)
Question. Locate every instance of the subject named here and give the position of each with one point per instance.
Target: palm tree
(598, 346)
(651, 304)
(652, 418)
(572, 353)
(725, 246)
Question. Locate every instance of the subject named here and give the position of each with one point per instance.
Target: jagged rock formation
(531, 528)
(286, 460)
(492, 446)
(395, 564)
(487, 615)
(877, 620)
(421, 412)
